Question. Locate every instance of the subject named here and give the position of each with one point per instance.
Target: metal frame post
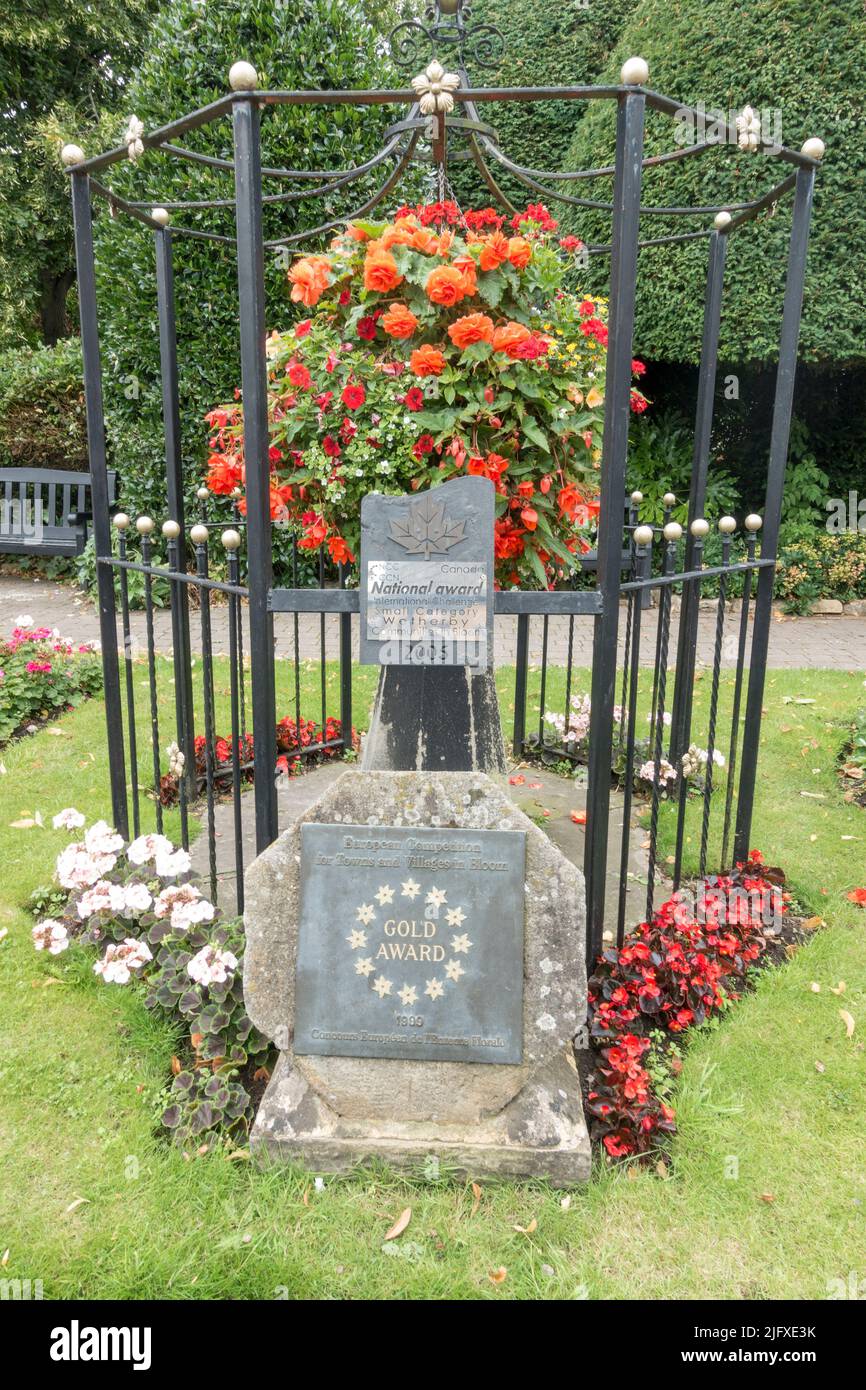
(623, 276)
(681, 714)
(174, 495)
(82, 217)
(254, 384)
(782, 408)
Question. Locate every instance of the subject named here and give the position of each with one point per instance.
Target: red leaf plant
(671, 974)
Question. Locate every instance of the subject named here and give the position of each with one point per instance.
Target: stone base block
(541, 1133)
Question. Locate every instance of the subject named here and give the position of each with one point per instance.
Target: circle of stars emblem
(366, 917)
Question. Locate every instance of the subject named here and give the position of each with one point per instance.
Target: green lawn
(765, 1196)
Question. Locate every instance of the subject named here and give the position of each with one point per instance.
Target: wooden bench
(45, 511)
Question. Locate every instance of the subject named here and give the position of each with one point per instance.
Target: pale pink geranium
(101, 839)
(78, 868)
(169, 865)
(50, 936)
(68, 819)
(120, 959)
(211, 966)
(145, 849)
(184, 905)
(104, 897)
(137, 899)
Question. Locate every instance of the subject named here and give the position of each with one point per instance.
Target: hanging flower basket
(439, 344)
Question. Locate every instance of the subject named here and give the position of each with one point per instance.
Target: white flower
(132, 138)
(184, 904)
(169, 865)
(434, 87)
(50, 936)
(667, 718)
(176, 760)
(119, 960)
(137, 899)
(211, 966)
(68, 819)
(102, 897)
(101, 839)
(667, 773)
(24, 620)
(146, 848)
(78, 868)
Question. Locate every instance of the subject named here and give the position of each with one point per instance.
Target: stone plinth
(331, 1112)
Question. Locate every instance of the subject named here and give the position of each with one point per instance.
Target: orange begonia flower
(357, 233)
(472, 328)
(427, 361)
(445, 285)
(395, 236)
(380, 272)
(519, 251)
(425, 241)
(494, 251)
(467, 267)
(309, 279)
(399, 322)
(510, 336)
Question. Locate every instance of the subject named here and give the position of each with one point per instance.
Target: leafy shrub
(138, 905)
(42, 418)
(671, 974)
(816, 564)
(660, 461)
(41, 675)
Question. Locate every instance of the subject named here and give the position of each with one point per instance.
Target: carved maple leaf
(426, 529)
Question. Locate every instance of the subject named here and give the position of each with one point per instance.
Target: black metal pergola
(432, 115)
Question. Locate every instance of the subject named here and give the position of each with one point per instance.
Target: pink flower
(103, 897)
(211, 966)
(169, 865)
(77, 868)
(119, 960)
(184, 905)
(101, 839)
(68, 819)
(146, 848)
(51, 937)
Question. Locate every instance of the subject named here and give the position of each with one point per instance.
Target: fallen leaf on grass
(662, 1168)
(768, 1197)
(79, 1202)
(579, 817)
(812, 922)
(476, 1193)
(528, 1230)
(26, 824)
(819, 1067)
(840, 988)
(565, 1202)
(815, 987)
(848, 1021)
(5, 1260)
(4, 933)
(816, 796)
(176, 1066)
(498, 1276)
(858, 896)
(238, 1153)
(400, 1224)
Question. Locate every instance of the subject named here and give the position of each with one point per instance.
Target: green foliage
(806, 485)
(62, 63)
(42, 417)
(660, 461)
(41, 676)
(802, 58)
(817, 564)
(321, 44)
(545, 45)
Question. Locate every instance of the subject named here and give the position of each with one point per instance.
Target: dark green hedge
(549, 44)
(804, 57)
(42, 417)
(294, 44)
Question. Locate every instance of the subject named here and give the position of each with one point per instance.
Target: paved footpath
(834, 643)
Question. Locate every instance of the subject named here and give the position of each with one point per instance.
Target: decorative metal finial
(446, 29)
(132, 138)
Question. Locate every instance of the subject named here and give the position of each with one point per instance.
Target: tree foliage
(801, 58)
(62, 62)
(301, 44)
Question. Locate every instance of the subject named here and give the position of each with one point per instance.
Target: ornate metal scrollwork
(446, 27)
